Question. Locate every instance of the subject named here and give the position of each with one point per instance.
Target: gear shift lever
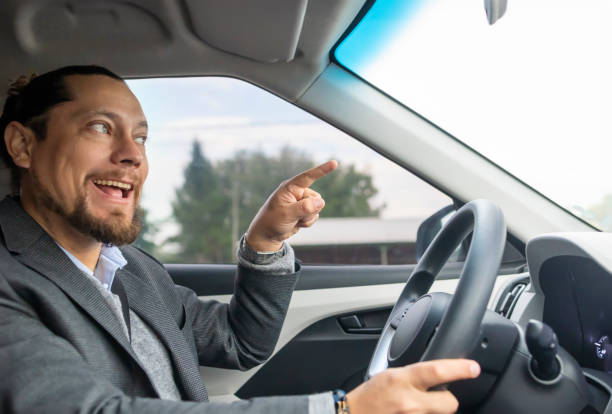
(542, 344)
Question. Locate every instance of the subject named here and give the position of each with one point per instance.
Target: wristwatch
(340, 402)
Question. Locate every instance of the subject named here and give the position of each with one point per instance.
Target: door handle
(353, 325)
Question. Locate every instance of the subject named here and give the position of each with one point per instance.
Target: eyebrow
(112, 115)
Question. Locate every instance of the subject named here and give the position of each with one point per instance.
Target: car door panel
(328, 354)
(323, 356)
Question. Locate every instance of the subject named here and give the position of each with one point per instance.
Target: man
(90, 326)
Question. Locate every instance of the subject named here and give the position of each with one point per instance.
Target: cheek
(73, 170)
(85, 157)
(73, 167)
(48, 167)
(64, 181)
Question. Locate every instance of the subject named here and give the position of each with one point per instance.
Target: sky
(227, 115)
(532, 92)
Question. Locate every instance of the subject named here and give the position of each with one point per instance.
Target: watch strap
(340, 402)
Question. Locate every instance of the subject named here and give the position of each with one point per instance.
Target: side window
(218, 147)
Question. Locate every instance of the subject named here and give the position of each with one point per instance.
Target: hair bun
(16, 86)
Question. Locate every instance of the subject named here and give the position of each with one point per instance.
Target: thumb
(309, 206)
(441, 371)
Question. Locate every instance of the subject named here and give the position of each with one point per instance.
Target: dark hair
(29, 100)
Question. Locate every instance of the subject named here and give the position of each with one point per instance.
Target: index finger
(306, 178)
(431, 373)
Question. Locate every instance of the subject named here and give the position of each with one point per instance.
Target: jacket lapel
(34, 248)
(145, 301)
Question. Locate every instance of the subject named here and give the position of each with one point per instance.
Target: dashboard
(577, 306)
(568, 286)
(571, 287)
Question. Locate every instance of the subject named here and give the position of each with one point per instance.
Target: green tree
(347, 193)
(215, 204)
(251, 176)
(201, 210)
(147, 232)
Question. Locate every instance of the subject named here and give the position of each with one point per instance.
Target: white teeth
(117, 184)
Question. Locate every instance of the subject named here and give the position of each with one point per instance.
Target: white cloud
(202, 122)
(404, 194)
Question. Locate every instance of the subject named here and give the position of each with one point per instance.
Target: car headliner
(163, 38)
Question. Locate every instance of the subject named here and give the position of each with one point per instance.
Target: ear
(19, 141)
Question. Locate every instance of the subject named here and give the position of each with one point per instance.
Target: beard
(115, 230)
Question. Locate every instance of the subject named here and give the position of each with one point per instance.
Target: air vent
(507, 301)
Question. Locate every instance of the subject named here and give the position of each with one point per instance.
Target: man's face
(90, 167)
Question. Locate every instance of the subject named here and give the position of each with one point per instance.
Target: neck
(85, 248)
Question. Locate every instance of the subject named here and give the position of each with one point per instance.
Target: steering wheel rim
(461, 318)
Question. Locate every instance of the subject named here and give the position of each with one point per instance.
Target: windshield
(531, 92)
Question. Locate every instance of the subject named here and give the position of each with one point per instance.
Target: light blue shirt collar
(109, 261)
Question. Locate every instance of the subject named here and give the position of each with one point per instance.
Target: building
(358, 240)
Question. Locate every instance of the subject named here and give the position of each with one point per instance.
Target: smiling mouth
(114, 188)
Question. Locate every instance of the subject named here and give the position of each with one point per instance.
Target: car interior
(528, 296)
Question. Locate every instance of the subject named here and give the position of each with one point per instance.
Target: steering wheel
(426, 326)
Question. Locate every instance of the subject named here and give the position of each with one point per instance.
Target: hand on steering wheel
(432, 326)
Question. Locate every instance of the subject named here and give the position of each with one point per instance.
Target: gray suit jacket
(63, 350)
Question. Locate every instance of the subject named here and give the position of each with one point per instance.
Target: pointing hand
(293, 205)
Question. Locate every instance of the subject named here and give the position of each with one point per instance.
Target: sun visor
(87, 28)
(262, 30)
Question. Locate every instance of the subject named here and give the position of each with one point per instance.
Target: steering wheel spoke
(424, 326)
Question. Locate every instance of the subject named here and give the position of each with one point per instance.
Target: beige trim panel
(308, 307)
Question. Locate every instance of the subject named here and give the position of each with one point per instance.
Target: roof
(358, 230)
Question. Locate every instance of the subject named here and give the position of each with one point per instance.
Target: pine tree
(348, 193)
(201, 209)
(215, 204)
(251, 176)
(147, 232)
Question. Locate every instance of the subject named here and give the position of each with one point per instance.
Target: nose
(127, 152)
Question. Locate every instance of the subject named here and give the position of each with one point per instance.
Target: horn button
(416, 328)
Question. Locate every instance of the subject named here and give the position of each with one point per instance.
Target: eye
(140, 140)
(100, 128)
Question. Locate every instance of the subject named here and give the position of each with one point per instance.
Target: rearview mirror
(495, 9)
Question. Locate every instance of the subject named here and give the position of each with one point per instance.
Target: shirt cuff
(321, 403)
(279, 262)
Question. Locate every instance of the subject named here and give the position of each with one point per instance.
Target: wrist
(262, 245)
